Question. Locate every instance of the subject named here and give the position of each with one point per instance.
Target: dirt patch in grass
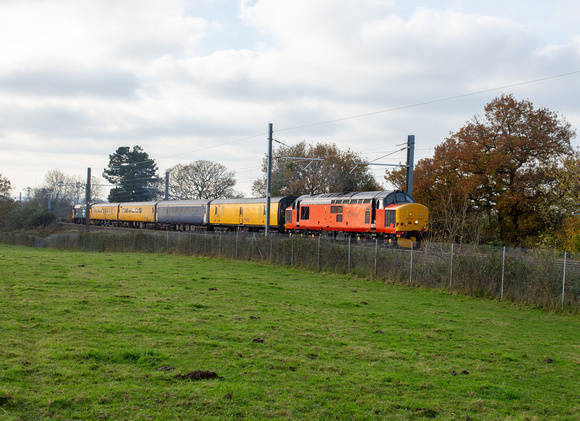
(198, 375)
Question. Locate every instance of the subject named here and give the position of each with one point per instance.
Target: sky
(202, 79)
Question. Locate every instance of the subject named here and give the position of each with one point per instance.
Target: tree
(336, 173)
(134, 174)
(201, 180)
(64, 191)
(562, 211)
(6, 202)
(496, 166)
(5, 186)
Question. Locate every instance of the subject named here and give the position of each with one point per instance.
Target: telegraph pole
(166, 185)
(410, 164)
(88, 199)
(268, 180)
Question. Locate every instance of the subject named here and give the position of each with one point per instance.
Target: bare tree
(5, 186)
(69, 188)
(201, 180)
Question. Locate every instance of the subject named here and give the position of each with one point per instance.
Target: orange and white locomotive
(390, 215)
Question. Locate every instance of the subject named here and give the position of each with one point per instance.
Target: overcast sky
(201, 79)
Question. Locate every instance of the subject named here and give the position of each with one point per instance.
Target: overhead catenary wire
(388, 110)
(357, 116)
(435, 101)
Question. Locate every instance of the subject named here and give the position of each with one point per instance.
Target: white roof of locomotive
(328, 198)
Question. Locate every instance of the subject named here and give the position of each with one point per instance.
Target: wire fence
(538, 278)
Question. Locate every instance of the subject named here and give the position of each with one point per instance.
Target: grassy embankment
(83, 334)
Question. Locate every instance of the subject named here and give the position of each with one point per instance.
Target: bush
(28, 217)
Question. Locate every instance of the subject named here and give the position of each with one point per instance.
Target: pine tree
(134, 174)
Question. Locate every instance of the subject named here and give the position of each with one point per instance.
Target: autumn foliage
(494, 180)
(334, 172)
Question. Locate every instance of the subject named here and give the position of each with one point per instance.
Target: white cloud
(91, 32)
(98, 74)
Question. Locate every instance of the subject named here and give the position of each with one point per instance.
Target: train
(392, 216)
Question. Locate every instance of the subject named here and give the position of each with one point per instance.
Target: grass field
(83, 336)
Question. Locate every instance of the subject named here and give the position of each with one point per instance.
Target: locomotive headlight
(416, 222)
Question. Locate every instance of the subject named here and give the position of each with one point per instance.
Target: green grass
(82, 336)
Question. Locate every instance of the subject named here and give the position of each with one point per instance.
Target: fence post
(220, 252)
(167, 244)
(451, 271)
(376, 253)
(411, 268)
(292, 252)
(271, 241)
(318, 261)
(564, 279)
(237, 236)
(502, 273)
(349, 237)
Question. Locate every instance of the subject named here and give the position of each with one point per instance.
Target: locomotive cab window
(401, 197)
(305, 213)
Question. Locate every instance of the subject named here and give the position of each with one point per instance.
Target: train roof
(244, 200)
(103, 204)
(329, 198)
(189, 202)
(130, 204)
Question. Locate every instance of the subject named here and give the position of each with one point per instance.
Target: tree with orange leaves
(563, 210)
(493, 172)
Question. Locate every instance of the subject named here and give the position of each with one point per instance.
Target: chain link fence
(538, 278)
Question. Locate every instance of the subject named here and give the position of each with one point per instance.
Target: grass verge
(84, 335)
